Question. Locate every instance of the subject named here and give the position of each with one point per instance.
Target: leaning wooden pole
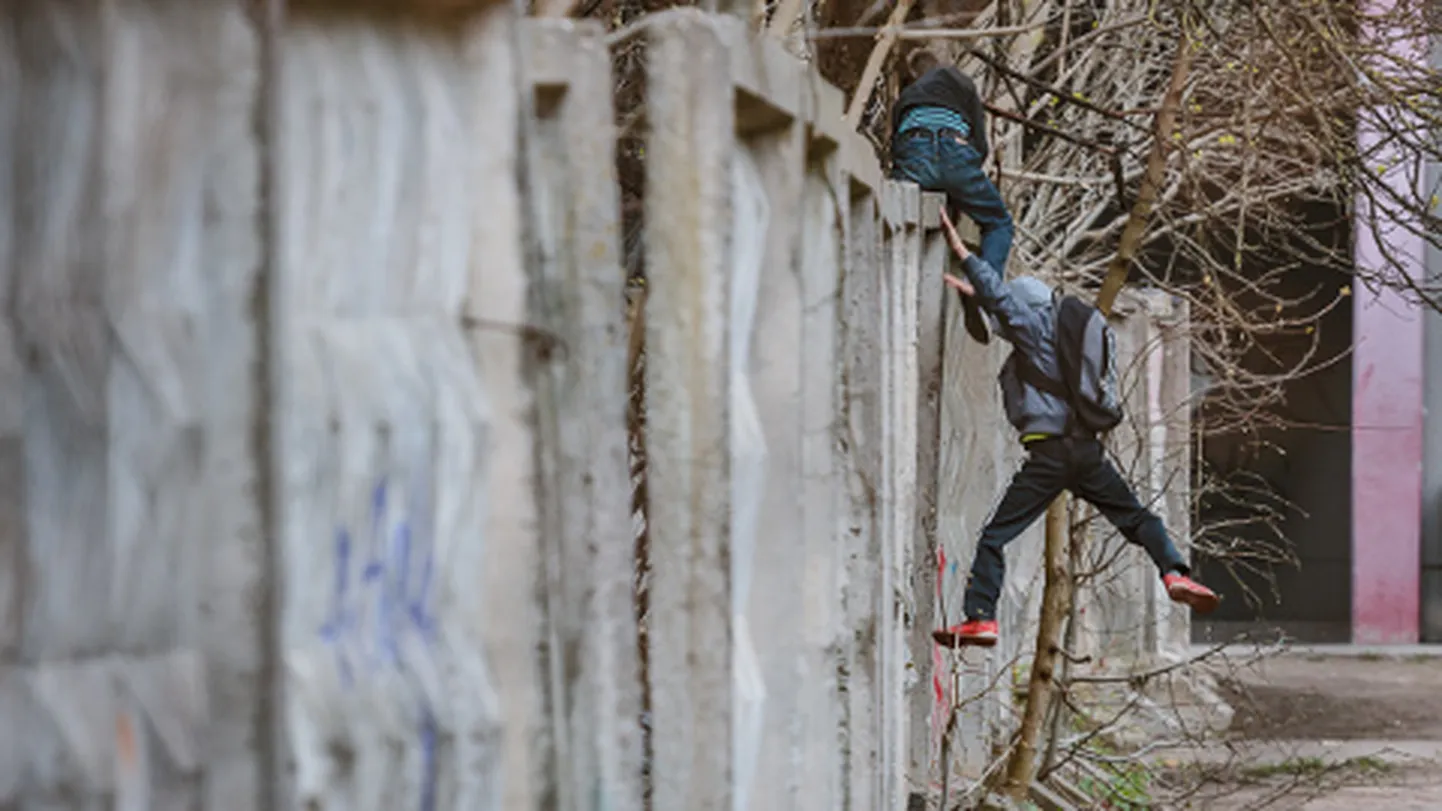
(884, 42)
(1141, 213)
(1054, 601)
(1056, 594)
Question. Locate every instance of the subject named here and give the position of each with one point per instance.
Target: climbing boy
(939, 142)
(1058, 390)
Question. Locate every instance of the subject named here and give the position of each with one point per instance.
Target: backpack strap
(1028, 372)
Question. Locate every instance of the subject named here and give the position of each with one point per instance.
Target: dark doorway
(1307, 467)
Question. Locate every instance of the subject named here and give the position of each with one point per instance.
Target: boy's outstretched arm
(985, 282)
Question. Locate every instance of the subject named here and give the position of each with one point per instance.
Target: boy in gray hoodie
(1059, 455)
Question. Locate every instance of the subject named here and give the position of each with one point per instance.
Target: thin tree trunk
(879, 52)
(1054, 602)
(1141, 213)
(1074, 539)
(1057, 592)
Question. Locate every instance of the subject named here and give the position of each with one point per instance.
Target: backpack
(1086, 353)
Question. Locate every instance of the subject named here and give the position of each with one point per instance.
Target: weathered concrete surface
(594, 696)
(132, 551)
(689, 413)
(979, 455)
(922, 673)
(899, 306)
(861, 429)
(820, 712)
(755, 487)
(1124, 612)
(773, 86)
(405, 437)
(442, 416)
(775, 167)
(770, 148)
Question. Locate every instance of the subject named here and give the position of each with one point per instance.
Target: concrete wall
(1124, 615)
(593, 692)
(405, 437)
(979, 454)
(134, 597)
(315, 422)
(270, 415)
(783, 395)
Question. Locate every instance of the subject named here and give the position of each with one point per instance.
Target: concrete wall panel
(132, 554)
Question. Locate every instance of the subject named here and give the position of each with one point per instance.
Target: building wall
(1432, 437)
(1387, 391)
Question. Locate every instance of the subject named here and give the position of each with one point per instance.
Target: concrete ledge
(762, 69)
(550, 46)
(900, 203)
(442, 9)
(1182, 703)
(859, 161)
(773, 89)
(827, 110)
(772, 85)
(1255, 754)
(1211, 631)
(931, 203)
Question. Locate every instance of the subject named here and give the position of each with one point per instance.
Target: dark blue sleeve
(1019, 324)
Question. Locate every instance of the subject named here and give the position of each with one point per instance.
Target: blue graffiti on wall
(381, 598)
(428, 761)
(381, 593)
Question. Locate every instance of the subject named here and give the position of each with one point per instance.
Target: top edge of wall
(425, 7)
(775, 89)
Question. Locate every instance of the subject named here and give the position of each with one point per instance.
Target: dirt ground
(1322, 732)
(1312, 697)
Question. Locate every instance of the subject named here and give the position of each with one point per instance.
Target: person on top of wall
(938, 141)
(1059, 391)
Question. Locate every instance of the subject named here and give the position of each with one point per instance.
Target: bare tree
(1213, 151)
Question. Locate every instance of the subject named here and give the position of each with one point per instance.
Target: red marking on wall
(942, 703)
(125, 747)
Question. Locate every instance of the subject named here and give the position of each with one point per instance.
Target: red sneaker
(982, 633)
(1183, 589)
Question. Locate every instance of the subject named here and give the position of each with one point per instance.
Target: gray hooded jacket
(1023, 312)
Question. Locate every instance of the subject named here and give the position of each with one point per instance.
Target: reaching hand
(954, 240)
(959, 283)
